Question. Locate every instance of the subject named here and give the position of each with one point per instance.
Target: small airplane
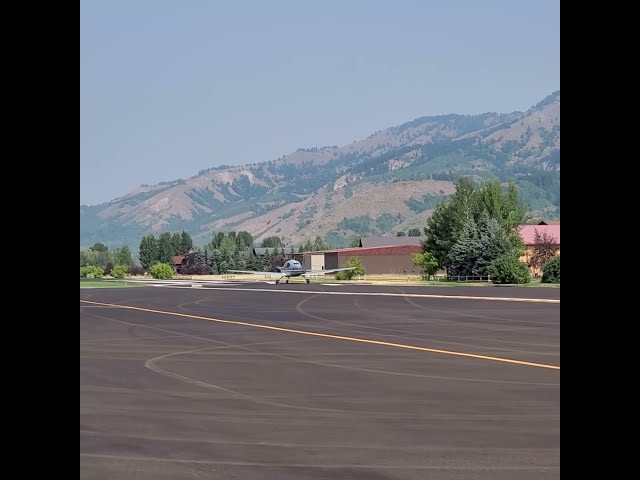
(293, 268)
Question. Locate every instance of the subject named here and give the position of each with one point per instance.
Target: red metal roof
(528, 232)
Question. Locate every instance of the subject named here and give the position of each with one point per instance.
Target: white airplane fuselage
(292, 268)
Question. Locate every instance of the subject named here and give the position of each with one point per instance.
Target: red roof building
(528, 234)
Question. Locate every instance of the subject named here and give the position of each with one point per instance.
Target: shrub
(196, 269)
(118, 271)
(551, 270)
(136, 270)
(508, 269)
(161, 271)
(202, 269)
(349, 274)
(91, 271)
(426, 262)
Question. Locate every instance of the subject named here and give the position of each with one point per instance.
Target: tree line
(475, 233)
(98, 260)
(234, 251)
(226, 251)
(154, 250)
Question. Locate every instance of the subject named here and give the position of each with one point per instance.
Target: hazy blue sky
(170, 87)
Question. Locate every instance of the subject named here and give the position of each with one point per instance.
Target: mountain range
(385, 183)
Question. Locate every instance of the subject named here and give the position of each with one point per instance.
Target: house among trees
(541, 241)
(176, 261)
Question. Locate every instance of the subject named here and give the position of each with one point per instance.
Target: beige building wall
(527, 257)
(383, 264)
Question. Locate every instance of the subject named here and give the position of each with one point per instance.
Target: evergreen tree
(122, 256)
(99, 247)
(148, 251)
(464, 251)
(238, 261)
(176, 244)
(319, 244)
(186, 242)
(447, 221)
(165, 248)
(272, 241)
(214, 259)
(470, 204)
(244, 240)
(479, 245)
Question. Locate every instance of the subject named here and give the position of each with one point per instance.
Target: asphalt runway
(241, 382)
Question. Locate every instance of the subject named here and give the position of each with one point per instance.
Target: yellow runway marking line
(327, 335)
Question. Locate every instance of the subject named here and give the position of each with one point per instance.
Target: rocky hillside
(386, 182)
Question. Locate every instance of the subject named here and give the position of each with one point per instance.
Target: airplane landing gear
(308, 281)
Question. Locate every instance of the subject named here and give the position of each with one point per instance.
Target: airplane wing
(254, 272)
(331, 270)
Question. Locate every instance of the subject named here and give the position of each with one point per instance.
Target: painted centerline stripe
(327, 335)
